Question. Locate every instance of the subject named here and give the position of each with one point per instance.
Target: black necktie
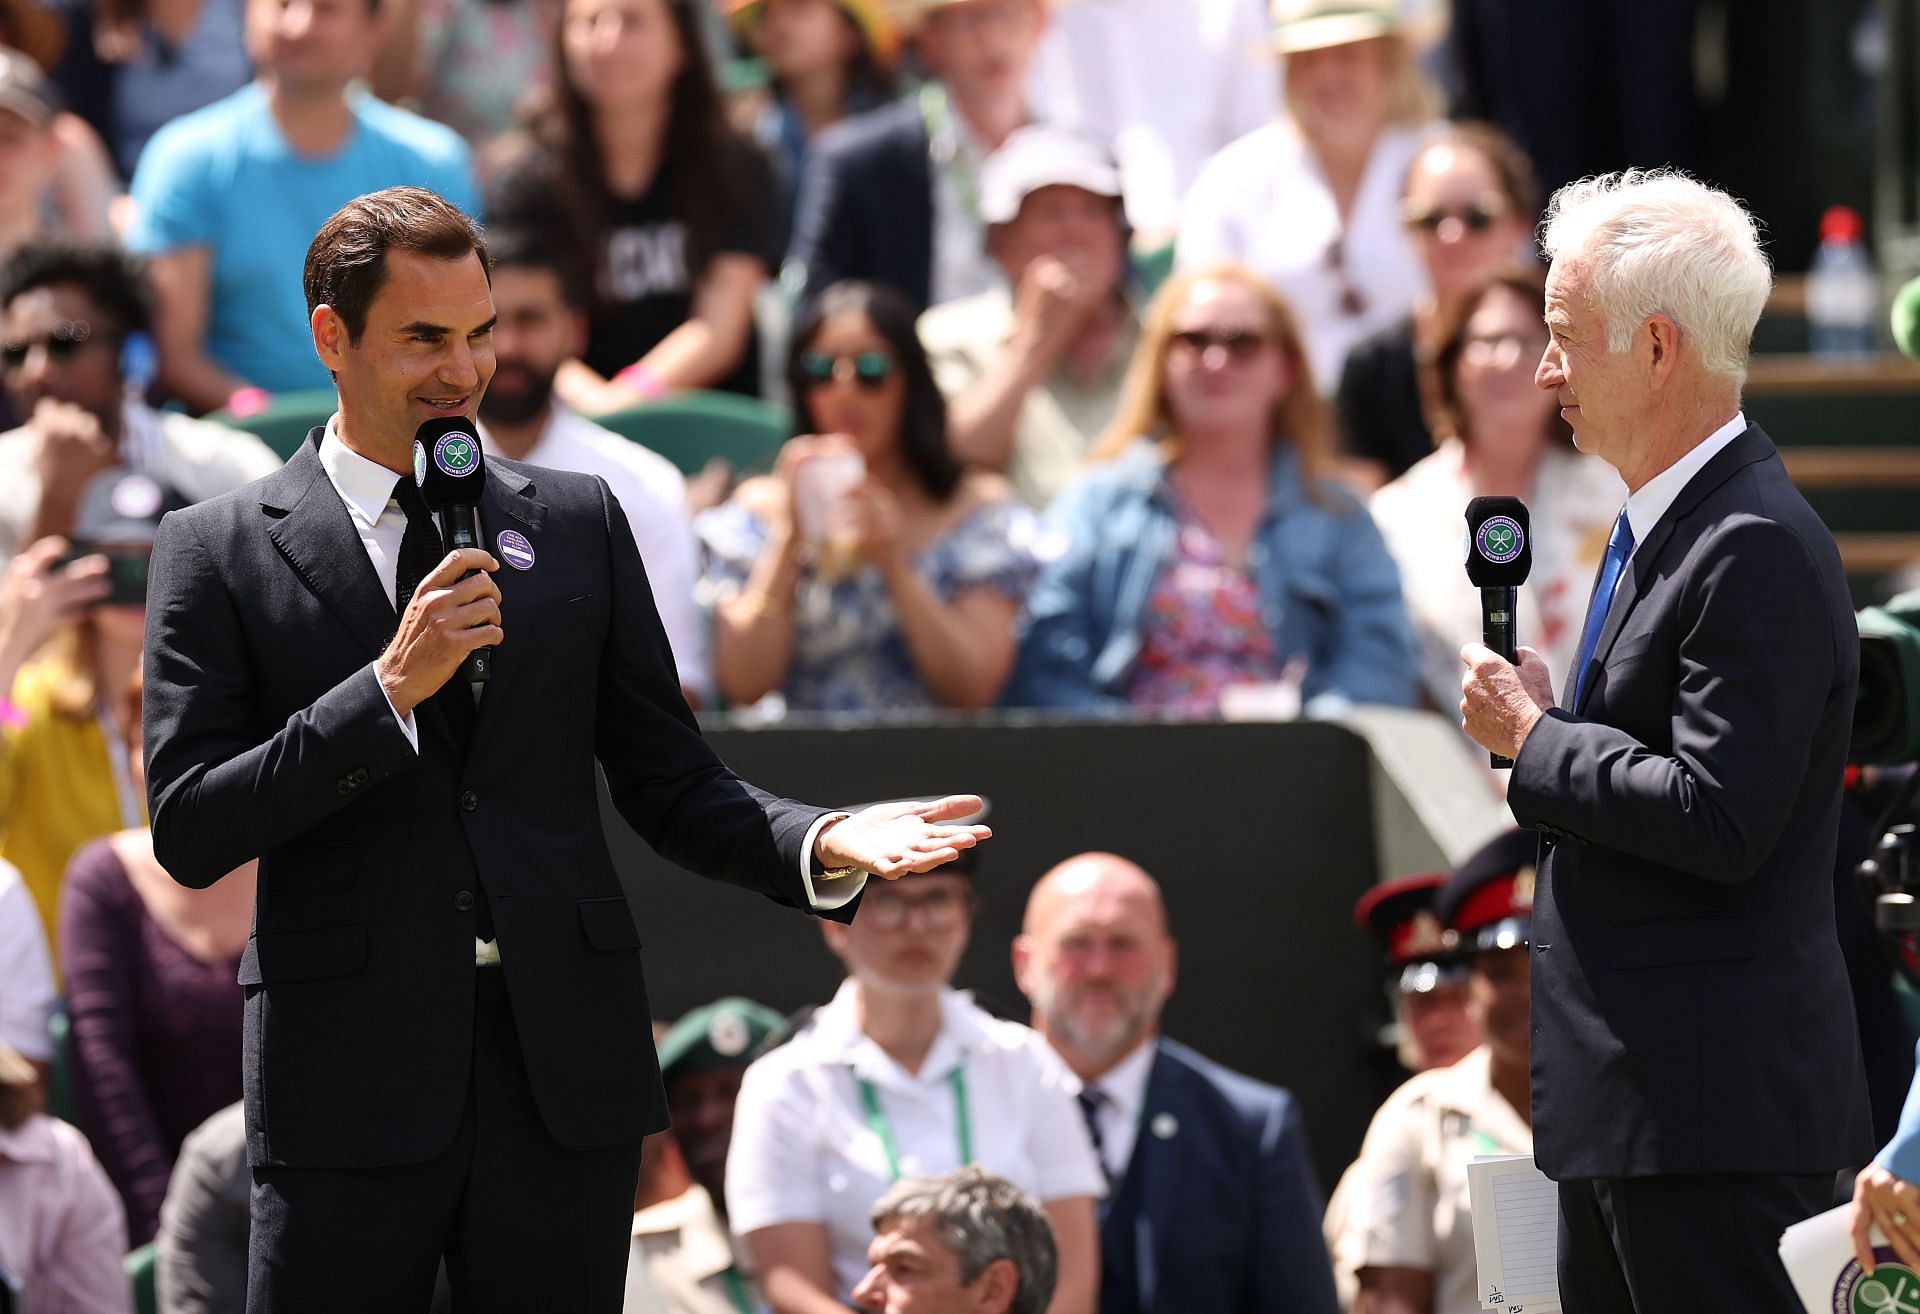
(1090, 1099)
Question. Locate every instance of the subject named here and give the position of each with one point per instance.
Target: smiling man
(447, 1040)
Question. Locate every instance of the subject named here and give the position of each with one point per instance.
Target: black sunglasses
(62, 344)
(870, 369)
(1475, 218)
(1241, 344)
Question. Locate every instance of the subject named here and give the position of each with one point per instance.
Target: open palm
(891, 839)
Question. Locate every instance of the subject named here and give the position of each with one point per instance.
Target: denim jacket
(1328, 589)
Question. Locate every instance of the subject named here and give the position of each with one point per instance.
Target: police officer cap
(727, 1033)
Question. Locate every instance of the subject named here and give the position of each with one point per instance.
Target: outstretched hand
(891, 839)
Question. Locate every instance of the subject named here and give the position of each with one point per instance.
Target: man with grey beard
(1212, 1206)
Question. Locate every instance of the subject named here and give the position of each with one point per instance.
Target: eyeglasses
(66, 339)
(870, 369)
(885, 910)
(1502, 351)
(1240, 344)
(1352, 304)
(1475, 218)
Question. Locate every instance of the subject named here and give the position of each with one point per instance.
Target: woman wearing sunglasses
(1214, 550)
(870, 573)
(1499, 435)
(1470, 203)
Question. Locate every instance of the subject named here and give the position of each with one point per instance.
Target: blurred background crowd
(1121, 360)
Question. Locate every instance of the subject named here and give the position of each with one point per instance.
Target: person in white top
(1312, 201)
(26, 973)
(1104, 70)
(542, 324)
(900, 1075)
(1500, 435)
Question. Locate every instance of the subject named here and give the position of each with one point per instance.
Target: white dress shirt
(804, 1151)
(653, 493)
(1645, 507)
(1121, 1098)
(366, 487)
(1105, 67)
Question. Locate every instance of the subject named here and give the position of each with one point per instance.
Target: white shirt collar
(1645, 507)
(1125, 1083)
(364, 485)
(839, 1039)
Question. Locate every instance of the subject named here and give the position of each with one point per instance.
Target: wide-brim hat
(24, 89)
(1037, 156)
(875, 23)
(909, 14)
(36, 30)
(1300, 25)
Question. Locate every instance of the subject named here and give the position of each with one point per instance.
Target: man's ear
(330, 339)
(1023, 963)
(1663, 338)
(993, 1291)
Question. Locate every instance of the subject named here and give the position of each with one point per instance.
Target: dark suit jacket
(866, 205)
(1218, 1212)
(267, 735)
(1690, 1007)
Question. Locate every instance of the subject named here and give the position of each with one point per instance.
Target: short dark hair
(525, 244)
(347, 263)
(982, 1219)
(923, 424)
(112, 279)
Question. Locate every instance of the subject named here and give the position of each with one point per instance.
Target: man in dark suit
(892, 196)
(1212, 1206)
(447, 1039)
(1696, 1074)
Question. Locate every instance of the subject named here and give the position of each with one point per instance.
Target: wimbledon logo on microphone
(456, 453)
(1501, 539)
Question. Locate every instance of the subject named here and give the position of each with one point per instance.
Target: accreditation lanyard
(119, 762)
(877, 1119)
(737, 1291)
(943, 140)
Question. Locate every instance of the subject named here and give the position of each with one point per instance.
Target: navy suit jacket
(1218, 1212)
(268, 735)
(866, 205)
(1690, 1007)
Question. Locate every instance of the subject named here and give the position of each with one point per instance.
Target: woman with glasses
(870, 573)
(1499, 435)
(901, 1075)
(1312, 201)
(1214, 550)
(1470, 202)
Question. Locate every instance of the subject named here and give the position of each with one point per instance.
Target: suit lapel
(1752, 445)
(1155, 1163)
(312, 529)
(508, 504)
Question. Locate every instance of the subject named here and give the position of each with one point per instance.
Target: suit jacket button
(346, 785)
(359, 775)
(469, 801)
(464, 901)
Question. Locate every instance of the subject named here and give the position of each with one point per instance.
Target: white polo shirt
(805, 1149)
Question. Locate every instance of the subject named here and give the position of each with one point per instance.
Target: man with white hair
(1696, 1076)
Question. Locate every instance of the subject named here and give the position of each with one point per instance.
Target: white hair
(1656, 242)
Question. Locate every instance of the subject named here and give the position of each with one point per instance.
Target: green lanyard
(936, 114)
(737, 1291)
(877, 1119)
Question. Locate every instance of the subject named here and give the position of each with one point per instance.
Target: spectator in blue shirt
(230, 196)
(1213, 550)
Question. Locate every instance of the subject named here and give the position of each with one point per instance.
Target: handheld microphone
(1499, 557)
(450, 473)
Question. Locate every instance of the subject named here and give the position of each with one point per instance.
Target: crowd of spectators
(1137, 353)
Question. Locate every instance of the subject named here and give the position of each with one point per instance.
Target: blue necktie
(1619, 548)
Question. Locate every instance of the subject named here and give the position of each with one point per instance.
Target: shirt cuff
(825, 896)
(411, 729)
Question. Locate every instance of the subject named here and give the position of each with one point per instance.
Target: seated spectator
(965, 1243)
(1405, 1242)
(62, 1237)
(1471, 201)
(901, 1074)
(870, 572)
(473, 67)
(228, 199)
(1214, 549)
(1108, 71)
(681, 1247)
(1033, 370)
(541, 324)
(1428, 988)
(829, 60)
(1499, 435)
(670, 209)
(65, 774)
(165, 59)
(893, 197)
(55, 177)
(155, 1014)
(1210, 1187)
(1312, 201)
(72, 324)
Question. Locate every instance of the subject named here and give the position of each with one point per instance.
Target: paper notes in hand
(1516, 1234)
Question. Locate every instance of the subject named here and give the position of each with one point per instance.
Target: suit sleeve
(217, 794)
(665, 779)
(1755, 667)
(1291, 1271)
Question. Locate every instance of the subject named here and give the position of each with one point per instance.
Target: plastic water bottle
(1842, 297)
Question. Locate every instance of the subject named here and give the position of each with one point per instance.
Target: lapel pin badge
(1165, 1126)
(515, 550)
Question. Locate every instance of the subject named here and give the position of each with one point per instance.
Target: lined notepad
(1516, 1234)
